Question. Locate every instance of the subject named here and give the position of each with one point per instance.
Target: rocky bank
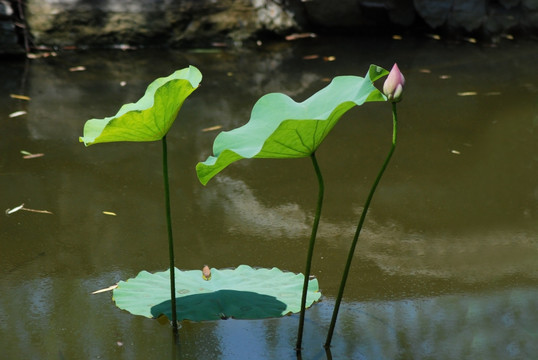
(182, 23)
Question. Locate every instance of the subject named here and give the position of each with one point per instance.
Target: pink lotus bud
(206, 273)
(393, 86)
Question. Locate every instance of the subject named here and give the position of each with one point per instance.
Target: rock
(530, 4)
(402, 12)
(199, 22)
(529, 21)
(9, 41)
(324, 13)
(6, 11)
(500, 20)
(508, 4)
(467, 14)
(434, 12)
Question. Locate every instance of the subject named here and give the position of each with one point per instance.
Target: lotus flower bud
(393, 86)
(206, 273)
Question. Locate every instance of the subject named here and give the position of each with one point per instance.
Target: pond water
(447, 263)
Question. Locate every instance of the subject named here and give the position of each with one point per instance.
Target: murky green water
(446, 268)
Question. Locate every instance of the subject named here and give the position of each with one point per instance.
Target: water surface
(447, 264)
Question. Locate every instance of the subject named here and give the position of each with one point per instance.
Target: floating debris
(445, 77)
(77, 68)
(311, 57)
(124, 47)
(456, 152)
(15, 209)
(467, 93)
(397, 37)
(41, 55)
(105, 289)
(300, 36)
(329, 58)
(212, 128)
(29, 155)
(21, 207)
(17, 113)
(425, 71)
(109, 213)
(19, 97)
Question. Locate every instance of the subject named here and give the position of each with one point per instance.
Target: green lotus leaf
(279, 127)
(151, 117)
(240, 293)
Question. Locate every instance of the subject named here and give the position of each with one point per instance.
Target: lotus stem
(170, 237)
(359, 228)
(321, 190)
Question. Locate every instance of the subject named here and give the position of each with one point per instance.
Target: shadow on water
(222, 304)
(446, 265)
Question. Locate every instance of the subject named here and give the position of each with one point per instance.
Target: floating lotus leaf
(279, 127)
(151, 117)
(240, 293)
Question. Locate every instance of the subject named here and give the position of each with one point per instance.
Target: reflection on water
(247, 215)
(492, 325)
(476, 256)
(447, 262)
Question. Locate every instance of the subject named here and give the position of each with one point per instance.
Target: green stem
(359, 228)
(321, 189)
(170, 237)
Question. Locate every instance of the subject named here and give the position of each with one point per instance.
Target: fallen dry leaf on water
(33, 156)
(17, 113)
(77, 68)
(212, 128)
(467, 93)
(41, 55)
(109, 213)
(15, 209)
(20, 97)
(105, 290)
(300, 36)
(456, 152)
(29, 155)
(21, 207)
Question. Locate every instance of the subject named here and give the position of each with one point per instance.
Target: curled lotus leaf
(279, 127)
(241, 293)
(151, 117)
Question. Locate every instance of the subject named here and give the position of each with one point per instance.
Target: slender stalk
(170, 237)
(317, 216)
(359, 228)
